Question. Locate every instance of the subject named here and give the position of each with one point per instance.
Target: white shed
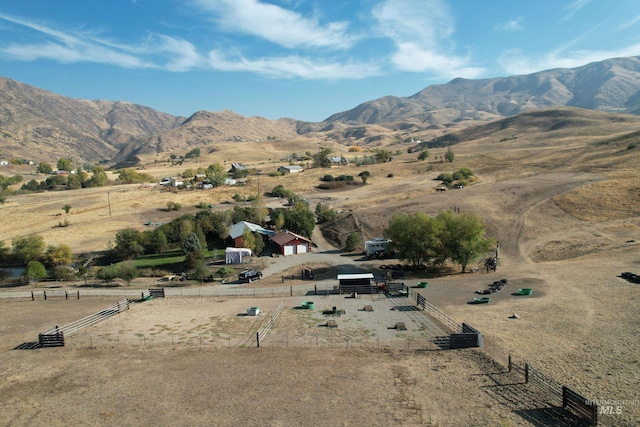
(234, 255)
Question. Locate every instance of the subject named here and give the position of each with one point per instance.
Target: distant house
(236, 231)
(235, 167)
(338, 160)
(290, 169)
(290, 243)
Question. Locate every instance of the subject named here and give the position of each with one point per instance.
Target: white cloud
(510, 26)
(630, 23)
(516, 62)
(293, 66)
(573, 8)
(73, 46)
(281, 26)
(421, 31)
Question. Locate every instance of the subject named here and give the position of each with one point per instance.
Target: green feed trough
(525, 291)
(481, 300)
(423, 284)
(308, 305)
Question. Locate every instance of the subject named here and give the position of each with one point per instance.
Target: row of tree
(422, 239)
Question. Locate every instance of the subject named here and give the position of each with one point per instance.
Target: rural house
(236, 231)
(290, 169)
(236, 167)
(291, 243)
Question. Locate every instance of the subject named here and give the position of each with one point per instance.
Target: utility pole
(109, 201)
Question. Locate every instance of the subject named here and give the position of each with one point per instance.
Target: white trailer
(376, 247)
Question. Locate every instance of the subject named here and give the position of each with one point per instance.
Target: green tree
(84, 272)
(200, 271)
(74, 182)
(249, 240)
(128, 244)
(324, 213)
(191, 243)
(66, 208)
(449, 156)
(35, 272)
(157, 242)
(28, 248)
(259, 245)
(414, 237)
(279, 220)
(98, 178)
(44, 168)
(108, 274)
(321, 158)
(300, 220)
(65, 165)
(131, 176)
(127, 271)
(464, 237)
(63, 272)
(382, 155)
(364, 176)
(216, 174)
(424, 155)
(353, 241)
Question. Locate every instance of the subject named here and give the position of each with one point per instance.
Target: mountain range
(33, 120)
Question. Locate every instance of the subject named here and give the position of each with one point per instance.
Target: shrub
(466, 172)
(332, 185)
(445, 177)
(345, 178)
(328, 178)
(632, 146)
(352, 242)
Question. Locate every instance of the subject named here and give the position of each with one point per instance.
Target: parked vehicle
(250, 275)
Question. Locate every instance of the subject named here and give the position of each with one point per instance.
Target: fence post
(526, 373)
(33, 298)
(291, 290)
(66, 295)
(78, 293)
(509, 363)
(315, 289)
(258, 339)
(45, 295)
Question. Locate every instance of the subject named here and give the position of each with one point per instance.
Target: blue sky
(304, 59)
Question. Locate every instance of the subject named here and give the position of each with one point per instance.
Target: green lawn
(170, 258)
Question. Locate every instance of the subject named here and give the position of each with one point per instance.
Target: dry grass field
(566, 213)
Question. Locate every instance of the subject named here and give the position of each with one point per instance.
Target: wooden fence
(274, 316)
(54, 337)
(56, 293)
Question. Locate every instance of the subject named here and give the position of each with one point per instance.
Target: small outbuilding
(357, 283)
(235, 255)
(290, 169)
(290, 243)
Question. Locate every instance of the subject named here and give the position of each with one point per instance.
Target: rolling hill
(612, 85)
(43, 126)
